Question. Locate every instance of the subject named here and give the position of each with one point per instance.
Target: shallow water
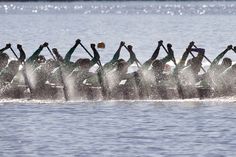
(125, 128)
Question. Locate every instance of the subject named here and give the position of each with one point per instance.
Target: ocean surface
(178, 128)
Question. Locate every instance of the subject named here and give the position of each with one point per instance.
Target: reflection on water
(126, 128)
(114, 7)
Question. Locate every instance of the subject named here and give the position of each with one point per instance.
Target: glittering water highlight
(118, 128)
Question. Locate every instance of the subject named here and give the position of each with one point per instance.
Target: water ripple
(118, 129)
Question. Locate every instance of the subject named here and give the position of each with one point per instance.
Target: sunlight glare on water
(210, 24)
(119, 128)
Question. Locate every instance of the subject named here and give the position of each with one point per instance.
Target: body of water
(210, 24)
(120, 128)
(125, 128)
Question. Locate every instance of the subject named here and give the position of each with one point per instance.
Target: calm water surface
(210, 24)
(192, 128)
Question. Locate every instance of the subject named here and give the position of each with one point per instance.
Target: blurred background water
(210, 24)
(122, 128)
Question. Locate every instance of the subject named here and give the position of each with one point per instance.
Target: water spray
(24, 74)
(105, 91)
(66, 96)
